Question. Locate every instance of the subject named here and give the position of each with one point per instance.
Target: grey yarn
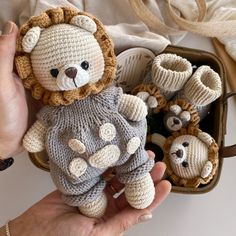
(81, 120)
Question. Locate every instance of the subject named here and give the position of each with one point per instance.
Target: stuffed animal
(87, 125)
(179, 114)
(185, 97)
(168, 76)
(191, 156)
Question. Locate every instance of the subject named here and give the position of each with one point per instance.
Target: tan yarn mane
(185, 106)
(25, 70)
(154, 91)
(212, 156)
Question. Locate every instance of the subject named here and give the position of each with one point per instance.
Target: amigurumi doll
(191, 156)
(67, 60)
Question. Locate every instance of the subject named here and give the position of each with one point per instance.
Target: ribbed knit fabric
(202, 89)
(195, 154)
(97, 124)
(169, 73)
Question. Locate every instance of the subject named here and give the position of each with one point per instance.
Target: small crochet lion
(191, 156)
(67, 60)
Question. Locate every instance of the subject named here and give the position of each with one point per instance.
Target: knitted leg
(139, 186)
(96, 208)
(91, 203)
(140, 193)
(202, 89)
(170, 73)
(86, 192)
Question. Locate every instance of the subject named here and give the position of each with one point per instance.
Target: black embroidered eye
(54, 72)
(185, 164)
(85, 65)
(185, 144)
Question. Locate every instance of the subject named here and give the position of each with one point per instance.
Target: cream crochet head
(191, 157)
(64, 55)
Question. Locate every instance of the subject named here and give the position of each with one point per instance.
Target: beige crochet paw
(132, 107)
(95, 209)
(140, 194)
(151, 101)
(34, 140)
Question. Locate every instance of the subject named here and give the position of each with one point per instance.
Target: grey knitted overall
(82, 121)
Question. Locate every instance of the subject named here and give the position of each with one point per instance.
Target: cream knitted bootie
(170, 73)
(203, 88)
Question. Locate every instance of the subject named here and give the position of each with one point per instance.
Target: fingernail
(7, 29)
(145, 218)
(6, 163)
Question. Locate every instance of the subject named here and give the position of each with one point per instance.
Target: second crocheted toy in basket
(67, 60)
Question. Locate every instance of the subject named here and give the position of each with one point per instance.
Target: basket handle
(229, 151)
(205, 28)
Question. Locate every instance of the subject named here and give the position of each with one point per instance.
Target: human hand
(51, 217)
(13, 106)
(14, 119)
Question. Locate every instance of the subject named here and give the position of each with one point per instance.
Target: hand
(51, 217)
(13, 106)
(14, 119)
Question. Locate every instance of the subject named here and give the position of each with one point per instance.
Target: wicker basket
(215, 123)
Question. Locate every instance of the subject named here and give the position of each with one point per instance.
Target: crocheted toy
(168, 76)
(191, 156)
(179, 114)
(190, 95)
(67, 60)
(203, 88)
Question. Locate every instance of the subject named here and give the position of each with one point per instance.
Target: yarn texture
(87, 126)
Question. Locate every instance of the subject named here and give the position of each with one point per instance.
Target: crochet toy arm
(34, 139)
(132, 107)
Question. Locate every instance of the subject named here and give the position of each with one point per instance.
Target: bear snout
(71, 72)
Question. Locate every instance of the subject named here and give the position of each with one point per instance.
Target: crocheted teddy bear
(67, 60)
(183, 96)
(191, 156)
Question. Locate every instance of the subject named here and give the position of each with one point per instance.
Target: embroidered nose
(71, 72)
(176, 121)
(180, 153)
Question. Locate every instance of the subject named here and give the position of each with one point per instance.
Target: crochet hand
(13, 106)
(52, 217)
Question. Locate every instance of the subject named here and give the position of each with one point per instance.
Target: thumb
(124, 220)
(7, 49)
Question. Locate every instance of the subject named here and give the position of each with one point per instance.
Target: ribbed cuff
(204, 87)
(170, 72)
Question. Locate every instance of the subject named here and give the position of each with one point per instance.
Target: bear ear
(185, 115)
(176, 109)
(207, 169)
(206, 138)
(31, 39)
(84, 22)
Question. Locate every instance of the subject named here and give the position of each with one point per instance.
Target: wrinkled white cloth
(122, 24)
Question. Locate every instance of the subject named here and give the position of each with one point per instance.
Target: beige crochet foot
(95, 209)
(140, 194)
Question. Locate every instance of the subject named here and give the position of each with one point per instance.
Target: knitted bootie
(203, 88)
(170, 73)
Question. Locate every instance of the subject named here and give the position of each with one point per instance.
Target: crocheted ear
(206, 138)
(176, 109)
(207, 169)
(31, 38)
(185, 115)
(84, 22)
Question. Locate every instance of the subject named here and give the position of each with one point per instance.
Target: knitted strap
(209, 29)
